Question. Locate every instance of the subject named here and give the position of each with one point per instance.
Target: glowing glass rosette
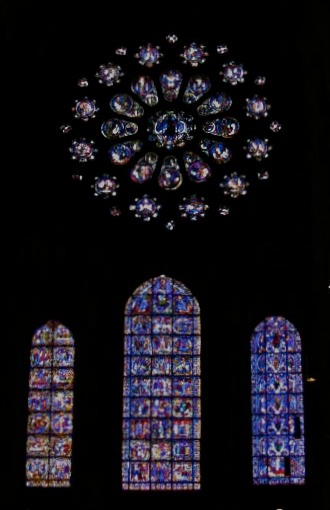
(148, 55)
(166, 125)
(145, 208)
(234, 185)
(105, 186)
(257, 148)
(171, 129)
(194, 54)
(193, 207)
(83, 150)
(108, 74)
(85, 109)
(257, 107)
(233, 73)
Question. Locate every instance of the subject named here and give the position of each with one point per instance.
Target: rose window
(173, 132)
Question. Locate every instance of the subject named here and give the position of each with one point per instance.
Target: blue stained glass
(162, 303)
(161, 405)
(62, 401)
(141, 304)
(161, 344)
(144, 168)
(161, 408)
(123, 104)
(38, 423)
(257, 107)
(148, 55)
(170, 83)
(161, 324)
(141, 345)
(216, 150)
(161, 450)
(197, 170)
(197, 86)
(141, 324)
(121, 153)
(61, 446)
(50, 404)
(233, 73)
(41, 357)
(220, 102)
(171, 129)
(170, 110)
(85, 109)
(144, 87)
(278, 444)
(226, 127)
(140, 365)
(139, 450)
(170, 176)
(161, 365)
(40, 378)
(39, 401)
(118, 128)
(38, 445)
(140, 407)
(61, 423)
(194, 54)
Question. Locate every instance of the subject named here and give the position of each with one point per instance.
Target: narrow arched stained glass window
(162, 388)
(50, 404)
(278, 444)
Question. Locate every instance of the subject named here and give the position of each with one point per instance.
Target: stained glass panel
(176, 116)
(50, 405)
(278, 444)
(162, 389)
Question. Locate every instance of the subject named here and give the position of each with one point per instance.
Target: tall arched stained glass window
(50, 403)
(278, 445)
(162, 388)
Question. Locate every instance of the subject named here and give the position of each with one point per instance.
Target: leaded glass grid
(162, 388)
(278, 444)
(50, 407)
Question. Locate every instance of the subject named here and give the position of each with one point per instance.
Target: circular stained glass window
(174, 132)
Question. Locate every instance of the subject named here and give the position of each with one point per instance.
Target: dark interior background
(64, 259)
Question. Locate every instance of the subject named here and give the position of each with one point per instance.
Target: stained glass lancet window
(278, 444)
(50, 404)
(162, 388)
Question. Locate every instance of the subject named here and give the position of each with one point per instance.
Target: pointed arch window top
(52, 333)
(162, 295)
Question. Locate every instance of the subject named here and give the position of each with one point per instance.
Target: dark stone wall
(63, 260)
